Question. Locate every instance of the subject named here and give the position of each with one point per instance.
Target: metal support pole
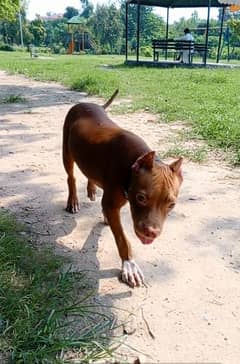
(138, 29)
(20, 25)
(220, 36)
(126, 30)
(166, 52)
(72, 43)
(207, 32)
(228, 47)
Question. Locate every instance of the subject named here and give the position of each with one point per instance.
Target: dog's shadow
(88, 259)
(87, 262)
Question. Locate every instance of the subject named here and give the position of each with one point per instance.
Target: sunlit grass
(45, 312)
(197, 154)
(207, 98)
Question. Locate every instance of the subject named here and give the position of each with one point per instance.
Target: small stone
(130, 327)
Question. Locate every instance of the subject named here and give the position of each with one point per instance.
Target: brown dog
(126, 169)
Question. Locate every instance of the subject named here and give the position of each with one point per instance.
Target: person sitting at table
(184, 55)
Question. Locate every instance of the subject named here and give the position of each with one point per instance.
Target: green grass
(197, 155)
(207, 98)
(45, 313)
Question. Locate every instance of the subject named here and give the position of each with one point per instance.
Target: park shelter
(168, 4)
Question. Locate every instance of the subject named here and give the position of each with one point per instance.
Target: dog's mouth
(144, 239)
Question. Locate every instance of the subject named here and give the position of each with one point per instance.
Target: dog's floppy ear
(176, 167)
(145, 161)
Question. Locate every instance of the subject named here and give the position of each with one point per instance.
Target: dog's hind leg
(68, 162)
(72, 202)
(91, 190)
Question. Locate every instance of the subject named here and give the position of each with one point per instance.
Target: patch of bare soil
(190, 311)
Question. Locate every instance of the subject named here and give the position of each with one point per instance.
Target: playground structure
(79, 42)
(79, 38)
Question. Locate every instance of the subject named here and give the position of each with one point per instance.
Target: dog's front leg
(131, 273)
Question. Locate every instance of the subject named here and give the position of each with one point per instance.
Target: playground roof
(180, 3)
(75, 20)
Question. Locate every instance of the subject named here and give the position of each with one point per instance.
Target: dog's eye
(141, 198)
(171, 205)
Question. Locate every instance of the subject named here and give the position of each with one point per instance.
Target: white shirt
(187, 36)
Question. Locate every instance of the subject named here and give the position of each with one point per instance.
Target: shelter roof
(75, 20)
(179, 3)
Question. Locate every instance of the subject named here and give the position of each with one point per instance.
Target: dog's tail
(110, 100)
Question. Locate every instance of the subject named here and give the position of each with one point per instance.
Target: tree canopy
(70, 12)
(8, 9)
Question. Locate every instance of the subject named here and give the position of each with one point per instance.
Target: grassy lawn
(45, 313)
(207, 98)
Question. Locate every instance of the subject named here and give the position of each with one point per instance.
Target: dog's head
(152, 194)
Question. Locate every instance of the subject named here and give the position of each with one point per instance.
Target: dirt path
(192, 304)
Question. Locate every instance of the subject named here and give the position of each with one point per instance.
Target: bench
(165, 45)
(33, 52)
(200, 49)
(176, 46)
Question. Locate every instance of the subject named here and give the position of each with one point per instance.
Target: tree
(10, 30)
(87, 7)
(234, 36)
(107, 28)
(37, 28)
(8, 9)
(56, 33)
(151, 25)
(70, 12)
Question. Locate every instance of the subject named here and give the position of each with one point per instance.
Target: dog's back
(97, 144)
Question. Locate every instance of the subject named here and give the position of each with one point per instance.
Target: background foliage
(105, 27)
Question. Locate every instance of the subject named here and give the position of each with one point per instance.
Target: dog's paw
(92, 196)
(91, 191)
(131, 274)
(72, 206)
(105, 220)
